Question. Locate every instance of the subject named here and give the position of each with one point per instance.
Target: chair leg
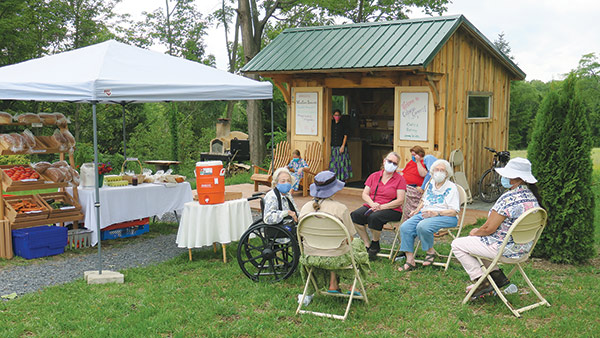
(308, 279)
(542, 301)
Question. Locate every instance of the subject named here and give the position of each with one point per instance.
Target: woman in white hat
(325, 186)
(522, 195)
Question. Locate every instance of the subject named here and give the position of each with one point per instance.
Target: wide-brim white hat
(518, 167)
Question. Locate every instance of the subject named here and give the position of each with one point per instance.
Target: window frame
(490, 97)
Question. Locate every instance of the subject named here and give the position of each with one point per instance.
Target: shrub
(560, 153)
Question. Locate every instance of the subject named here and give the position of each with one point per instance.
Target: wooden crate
(61, 197)
(15, 218)
(42, 183)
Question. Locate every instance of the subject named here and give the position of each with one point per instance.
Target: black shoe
(374, 250)
(499, 278)
(483, 289)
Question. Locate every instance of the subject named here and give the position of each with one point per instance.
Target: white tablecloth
(122, 204)
(203, 225)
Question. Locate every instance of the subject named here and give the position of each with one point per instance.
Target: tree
(560, 153)
(503, 46)
(588, 73)
(254, 15)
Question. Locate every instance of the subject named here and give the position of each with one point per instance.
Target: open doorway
(369, 116)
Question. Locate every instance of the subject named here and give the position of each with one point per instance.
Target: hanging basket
(129, 178)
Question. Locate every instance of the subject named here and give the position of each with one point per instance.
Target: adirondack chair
(281, 157)
(314, 158)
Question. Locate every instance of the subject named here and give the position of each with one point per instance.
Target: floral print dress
(297, 176)
(511, 204)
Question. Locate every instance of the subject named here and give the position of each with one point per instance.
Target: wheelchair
(268, 252)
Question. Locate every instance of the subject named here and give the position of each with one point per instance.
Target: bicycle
(490, 187)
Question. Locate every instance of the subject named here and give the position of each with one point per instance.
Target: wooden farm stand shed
(435, 82)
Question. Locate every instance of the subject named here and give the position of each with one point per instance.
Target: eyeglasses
(391, 162)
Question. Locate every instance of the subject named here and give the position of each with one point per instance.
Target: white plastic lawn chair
(528, 227)
(323, 231)
(461, 221)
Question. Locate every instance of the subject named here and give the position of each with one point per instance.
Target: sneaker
(499, 278)
(483, 289)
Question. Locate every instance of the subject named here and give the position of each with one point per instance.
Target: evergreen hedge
(560, 154)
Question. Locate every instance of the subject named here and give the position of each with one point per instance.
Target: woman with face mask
(295, 167)
(438, 209)
(279, 203)
(339, 163)
(383, 195)
(414, 173)
(485, 241)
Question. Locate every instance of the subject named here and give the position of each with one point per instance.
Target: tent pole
(97, 176)
(272, 145)
(124, 138)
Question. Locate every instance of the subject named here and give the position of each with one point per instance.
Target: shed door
(308, 122)
(413, 120)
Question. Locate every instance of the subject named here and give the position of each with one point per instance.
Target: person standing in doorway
(340, 158)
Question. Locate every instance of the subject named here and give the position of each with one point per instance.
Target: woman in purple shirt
(383, 195)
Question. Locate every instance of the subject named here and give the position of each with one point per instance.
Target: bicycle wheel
(490, 187)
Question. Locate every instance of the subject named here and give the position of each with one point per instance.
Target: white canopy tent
(113, 72)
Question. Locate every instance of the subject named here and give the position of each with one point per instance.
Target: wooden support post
(224, 253)
(190, 254)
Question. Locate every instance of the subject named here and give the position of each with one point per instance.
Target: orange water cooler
(210, 182)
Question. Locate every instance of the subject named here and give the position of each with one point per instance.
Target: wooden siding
(469, 67)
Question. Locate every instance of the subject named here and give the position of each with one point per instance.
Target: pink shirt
(385, 192)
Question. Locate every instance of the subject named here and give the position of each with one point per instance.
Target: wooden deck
(351, 197)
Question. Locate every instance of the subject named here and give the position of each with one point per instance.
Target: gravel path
(143, 252)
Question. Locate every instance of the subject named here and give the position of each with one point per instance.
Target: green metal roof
(406, 43)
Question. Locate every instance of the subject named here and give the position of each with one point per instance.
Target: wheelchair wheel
(268, 253)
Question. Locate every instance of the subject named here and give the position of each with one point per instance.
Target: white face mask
(389, 167)
(439, 176)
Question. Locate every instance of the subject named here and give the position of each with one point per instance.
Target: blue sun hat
(325, 185)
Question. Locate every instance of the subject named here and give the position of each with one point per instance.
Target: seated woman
(295, 166)
(438, 209)
(383, 195)
(325, 186)
(413, 173)
(486, 240)
(278, 202)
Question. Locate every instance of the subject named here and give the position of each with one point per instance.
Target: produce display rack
(44, 145)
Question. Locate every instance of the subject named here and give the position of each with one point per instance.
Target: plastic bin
(39, 241)
(210, 182)
(79, 238)
(125, 232)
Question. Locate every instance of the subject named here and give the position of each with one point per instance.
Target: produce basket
(60, 204)
(15, 204)
(129, 178)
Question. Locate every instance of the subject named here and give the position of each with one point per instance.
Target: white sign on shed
(414, 111)
(306, 113)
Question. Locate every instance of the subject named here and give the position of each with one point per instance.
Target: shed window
(479, 106)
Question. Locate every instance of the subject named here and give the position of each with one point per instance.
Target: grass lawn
(205, 297)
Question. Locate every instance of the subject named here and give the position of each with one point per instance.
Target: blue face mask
(284, 188)
(505, 181)
(413, 158)
(296, 159)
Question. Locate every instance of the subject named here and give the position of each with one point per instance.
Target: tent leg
(97, 201)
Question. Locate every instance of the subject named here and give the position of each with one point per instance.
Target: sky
(547, 37)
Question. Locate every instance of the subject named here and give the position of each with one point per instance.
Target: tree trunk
(251, 48)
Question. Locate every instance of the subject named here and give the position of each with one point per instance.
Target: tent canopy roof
(114, 72)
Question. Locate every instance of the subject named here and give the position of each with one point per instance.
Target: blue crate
(39, 241)
(125, 232)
